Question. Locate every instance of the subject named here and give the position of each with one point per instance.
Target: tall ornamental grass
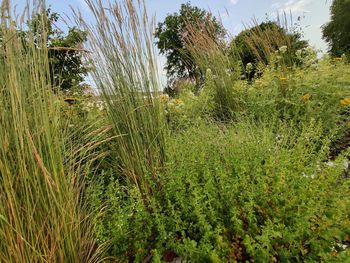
(217, 66)
(41, 218)
(125, 72)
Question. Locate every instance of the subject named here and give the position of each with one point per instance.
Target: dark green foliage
(256, 44)
(64, 50)
(337, 32)
(67, 67)
(171, 35)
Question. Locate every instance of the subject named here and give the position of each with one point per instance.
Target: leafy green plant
(282, 201)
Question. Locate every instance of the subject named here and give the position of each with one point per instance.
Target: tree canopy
(171, 34)
(64, 49)
(337, 32)
(65, 53)
(257, 43)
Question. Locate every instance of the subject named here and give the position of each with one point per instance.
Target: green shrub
(249, 192)
(240, 192)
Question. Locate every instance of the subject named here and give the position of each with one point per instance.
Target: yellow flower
(283, 78)
(345, 102)
(306, 97)
(163, 98)
(259, 82)
(178, 101)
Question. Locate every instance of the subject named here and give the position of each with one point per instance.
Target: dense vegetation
(255, 45)
(238, 170)
(171, 40)
(336, 32)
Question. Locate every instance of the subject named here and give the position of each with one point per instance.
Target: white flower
(330, 164)
(298, 53)
(283, 49)
(310, 50)
(312, 176)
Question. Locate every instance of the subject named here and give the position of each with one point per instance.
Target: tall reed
(211, 54)
(41, 217)
(125, 72)
(266, 38)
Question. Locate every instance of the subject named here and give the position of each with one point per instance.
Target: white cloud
(294, 6)
(234, 2)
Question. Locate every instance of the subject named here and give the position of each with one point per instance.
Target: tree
(171, 35)
(64, 50)
(337, 32)
(256, 44)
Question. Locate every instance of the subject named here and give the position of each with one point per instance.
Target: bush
(237, 193)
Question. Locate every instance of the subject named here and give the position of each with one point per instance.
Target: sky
(235, 14)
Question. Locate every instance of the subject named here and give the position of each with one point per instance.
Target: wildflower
(283, 78)
(345, 102)
(312, 176)
(90, 105)
(164, 98)
(283, 49)
(249, 67)
(330, 164)
(178, 102)
(298, 53)
(306, 97)
(100, 105)
(309, 49)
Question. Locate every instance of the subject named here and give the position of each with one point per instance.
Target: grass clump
(41, 216)
(125, 72)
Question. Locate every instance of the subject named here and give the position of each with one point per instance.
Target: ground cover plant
(235, 169)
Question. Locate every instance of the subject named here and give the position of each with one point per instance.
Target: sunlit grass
(41, 215)
(125, 72)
